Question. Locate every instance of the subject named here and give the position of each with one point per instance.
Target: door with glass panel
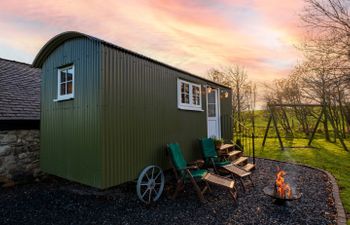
(213, 109)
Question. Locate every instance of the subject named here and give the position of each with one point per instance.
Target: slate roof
(19, 91)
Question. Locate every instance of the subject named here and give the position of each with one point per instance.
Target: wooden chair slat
(219, 180)
(237, 171)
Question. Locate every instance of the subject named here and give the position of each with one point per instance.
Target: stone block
(34, 148)
(19, 153)
(8, 138)
(5, 150)
(22, 155)
(31, 167)
(8, 164)
(27, 160)
(23, 133)
(8, 160)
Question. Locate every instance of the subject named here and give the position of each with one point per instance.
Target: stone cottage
(19, 120)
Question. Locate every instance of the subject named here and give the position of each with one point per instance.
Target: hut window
(65, 88)
(189, 95)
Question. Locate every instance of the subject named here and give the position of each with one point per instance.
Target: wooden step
(240, 160)
(225, 149)
(233, 153)
(226, 146)
(248, 167)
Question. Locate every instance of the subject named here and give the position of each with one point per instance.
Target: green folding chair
(185, 172)
(211, 157)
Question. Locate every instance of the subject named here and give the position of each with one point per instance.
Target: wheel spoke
(144, 184)
(147, 176)
(156, 192)
(150, 195)
(152, 172)
(158, 175)
(143, 195)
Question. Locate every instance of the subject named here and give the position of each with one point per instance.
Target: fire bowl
(270, 191)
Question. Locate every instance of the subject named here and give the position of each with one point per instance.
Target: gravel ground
(57, 201)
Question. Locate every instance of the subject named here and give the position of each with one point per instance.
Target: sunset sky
(193, 35)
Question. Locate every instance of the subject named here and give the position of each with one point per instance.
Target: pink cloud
(193, 35)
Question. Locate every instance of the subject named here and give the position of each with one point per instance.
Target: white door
(213, 112)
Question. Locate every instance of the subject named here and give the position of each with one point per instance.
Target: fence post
(253, 145)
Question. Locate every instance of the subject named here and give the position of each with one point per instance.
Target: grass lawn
(329, 156)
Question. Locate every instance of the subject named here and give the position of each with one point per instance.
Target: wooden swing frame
(323, 113)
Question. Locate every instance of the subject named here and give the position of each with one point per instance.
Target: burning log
(282, 189)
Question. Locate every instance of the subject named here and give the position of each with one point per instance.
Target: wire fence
(244, 141)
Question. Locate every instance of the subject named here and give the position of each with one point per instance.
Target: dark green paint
(70, 130)
(123, 115)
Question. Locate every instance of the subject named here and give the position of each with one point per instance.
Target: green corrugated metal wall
(140, 116)
(123, 114)
(70, 130)
(226, 117)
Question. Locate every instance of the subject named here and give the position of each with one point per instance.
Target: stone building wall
(19, 153)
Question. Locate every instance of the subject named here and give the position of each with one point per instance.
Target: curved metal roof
(59, 39)
(52, 44)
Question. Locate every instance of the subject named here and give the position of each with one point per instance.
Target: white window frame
(66, 96)
(190, 105)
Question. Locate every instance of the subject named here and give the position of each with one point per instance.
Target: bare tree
(327, 23)
(316, 85)
(236, 77)
(323, 76)
(326, 66)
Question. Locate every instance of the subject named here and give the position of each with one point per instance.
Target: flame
(282, 189)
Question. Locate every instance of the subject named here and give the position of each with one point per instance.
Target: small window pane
(63, 89)
(185, 88)
(212, 104)
(212, 97)
(69, 87)
(211, 110)
(195, 90)
(185, 98)
(185, 94)
(69, 74)
(195, 95)
(196, 100)
(63, 76)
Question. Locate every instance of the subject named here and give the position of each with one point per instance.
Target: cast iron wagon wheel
(150, 184)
